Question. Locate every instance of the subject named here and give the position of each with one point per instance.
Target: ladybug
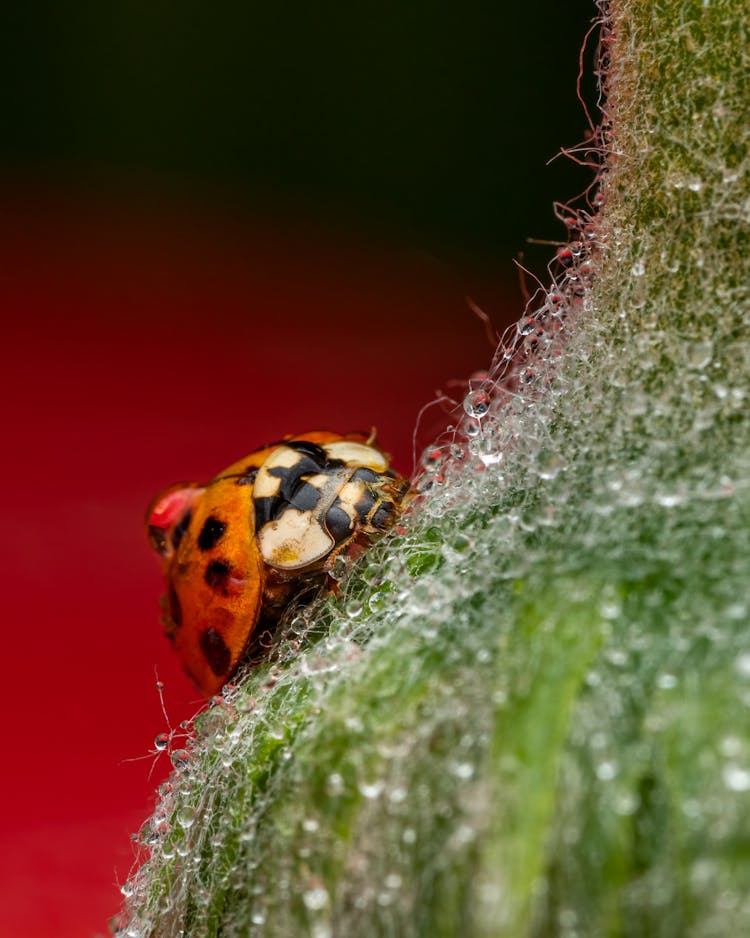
(237, 551)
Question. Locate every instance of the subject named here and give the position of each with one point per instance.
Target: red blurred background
(215, 230)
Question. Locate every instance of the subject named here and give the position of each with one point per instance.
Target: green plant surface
(528, 712)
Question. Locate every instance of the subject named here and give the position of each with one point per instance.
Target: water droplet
(377, 602)
(669, 499)
(258, 918)
(186, 816)
(610, 607)
(463, 770)
(606, 771)
(666, 681)
(730, 746)
(245, 704)
(310, 825)
(638, 269)
(335, 784)
(162, 741)
(626, 803)
(477, 404)
(127, 889)
(354, 608)
(736, 778)
(397, 795)
(472, 428)
(339, 568)
(432, 458)
(456, 548)
(409, 835)
(354, 724)
(699, 354)
(742, 664)
(393, 881)
(315, 898)
(526, 325)
(373, 574)
(180, 758)
(371, 790)
(548, 464)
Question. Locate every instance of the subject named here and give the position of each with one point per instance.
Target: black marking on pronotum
(211, 533)
(217, 574)
(265, 510)
(269, 507)
(179, 530)
(365, 475)
(315, 452)
(174, 607)
(215, 649)
(365, 505)
(305, 497)
(289, 476)
(338, 522)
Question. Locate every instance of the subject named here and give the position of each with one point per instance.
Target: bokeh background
(220, 223)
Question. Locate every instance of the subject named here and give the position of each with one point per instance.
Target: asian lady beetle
(238, 549)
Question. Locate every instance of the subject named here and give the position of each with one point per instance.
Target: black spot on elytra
(157, 538)
(174, 608)
(178, 531)
(217, 574)
(211, 533)
(217, 654)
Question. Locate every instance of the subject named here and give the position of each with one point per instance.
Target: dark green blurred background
(429, 121)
